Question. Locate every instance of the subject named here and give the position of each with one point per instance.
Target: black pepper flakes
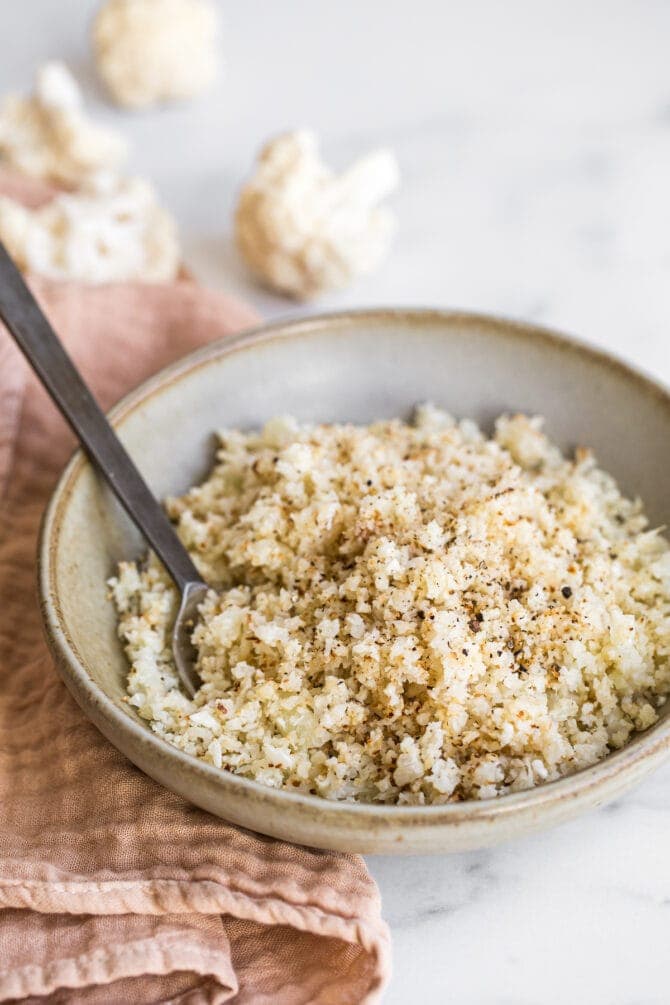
(566, 591)
(474, 625)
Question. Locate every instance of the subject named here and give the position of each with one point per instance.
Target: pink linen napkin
(111, 888)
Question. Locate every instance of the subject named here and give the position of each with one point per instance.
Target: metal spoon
(45, 353)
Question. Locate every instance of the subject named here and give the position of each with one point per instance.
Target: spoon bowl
(183, 650)
(358, 367)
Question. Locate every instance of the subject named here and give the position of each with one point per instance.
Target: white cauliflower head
(112, 231)
(303, 229)
(47, 135)
(149, 51)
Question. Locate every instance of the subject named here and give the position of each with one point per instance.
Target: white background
(534, 144)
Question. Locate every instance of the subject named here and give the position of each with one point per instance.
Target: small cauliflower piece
(150, 51)
(47, 135)
(303, 229)
(112, 231)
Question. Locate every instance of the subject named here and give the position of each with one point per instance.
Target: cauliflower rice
(406, 613)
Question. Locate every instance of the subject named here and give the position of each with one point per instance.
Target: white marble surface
(534, 141)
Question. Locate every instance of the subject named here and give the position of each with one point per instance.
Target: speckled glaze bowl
(354, 366)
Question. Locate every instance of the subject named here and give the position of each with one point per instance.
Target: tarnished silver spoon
(45, 353)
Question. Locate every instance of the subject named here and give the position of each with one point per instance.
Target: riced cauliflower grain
(405, 614)
(110, 231)
(150, 51)
(304, 230)
(47, 135)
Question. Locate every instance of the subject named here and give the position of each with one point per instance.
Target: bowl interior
(352, 368)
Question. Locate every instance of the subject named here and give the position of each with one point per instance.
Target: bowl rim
(643, 746)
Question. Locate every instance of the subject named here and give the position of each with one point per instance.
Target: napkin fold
(113, 889)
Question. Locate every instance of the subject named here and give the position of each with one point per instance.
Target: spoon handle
(45, 353)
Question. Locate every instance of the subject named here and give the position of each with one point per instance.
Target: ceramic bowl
(355, 366)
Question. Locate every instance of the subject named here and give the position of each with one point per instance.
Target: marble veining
(534, 143)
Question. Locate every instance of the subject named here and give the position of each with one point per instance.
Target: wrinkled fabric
(111, 888)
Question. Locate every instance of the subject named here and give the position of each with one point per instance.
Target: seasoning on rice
(406, 613)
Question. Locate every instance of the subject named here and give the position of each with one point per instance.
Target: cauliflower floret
(302, 229)
(47, 135)
(149, 51)
(111, 231)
